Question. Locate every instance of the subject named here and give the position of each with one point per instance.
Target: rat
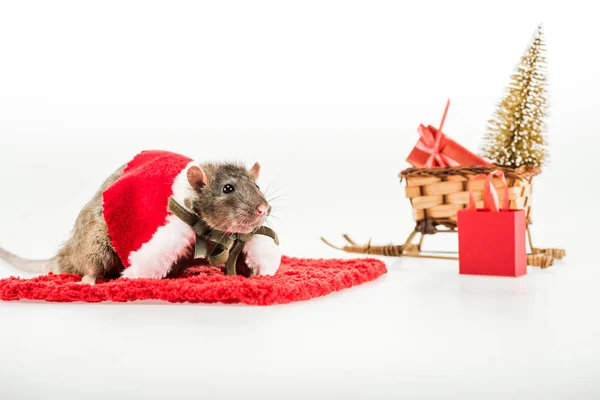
(127, 230)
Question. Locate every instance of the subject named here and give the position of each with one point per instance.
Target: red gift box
(434, 149)
(491, 241)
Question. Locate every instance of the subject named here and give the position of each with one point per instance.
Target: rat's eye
(228, 188)
(258, 187)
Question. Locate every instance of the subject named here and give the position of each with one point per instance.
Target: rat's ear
(254, 171)
(197, 178)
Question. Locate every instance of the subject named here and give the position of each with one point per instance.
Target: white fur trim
(263, 256)
(156, 257)
(168, 244)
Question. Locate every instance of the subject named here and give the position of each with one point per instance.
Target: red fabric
(296, 280)
(135, 206)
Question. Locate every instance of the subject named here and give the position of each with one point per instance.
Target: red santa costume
(146, 236)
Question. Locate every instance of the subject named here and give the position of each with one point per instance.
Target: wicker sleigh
(436, 194)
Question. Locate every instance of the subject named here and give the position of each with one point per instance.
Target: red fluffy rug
(296, 280)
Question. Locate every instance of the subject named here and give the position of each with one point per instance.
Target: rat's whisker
(277, 198)
(274, 192)
(267, 189)
(279, 192)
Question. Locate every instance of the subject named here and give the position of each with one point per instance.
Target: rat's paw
(262, 255)
(87, 280)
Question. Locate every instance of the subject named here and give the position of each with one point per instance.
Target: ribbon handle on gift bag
(490, 194)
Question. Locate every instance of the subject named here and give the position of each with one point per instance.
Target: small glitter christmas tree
(515, 135)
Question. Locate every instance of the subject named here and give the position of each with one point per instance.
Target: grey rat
(224, 195)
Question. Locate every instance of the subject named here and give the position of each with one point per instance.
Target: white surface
(327, 96)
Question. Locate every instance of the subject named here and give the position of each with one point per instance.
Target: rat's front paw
(262, 255)
(87, 280)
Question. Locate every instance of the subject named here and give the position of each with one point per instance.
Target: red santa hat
(136, 205)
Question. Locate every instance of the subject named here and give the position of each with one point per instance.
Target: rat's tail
(36, 266)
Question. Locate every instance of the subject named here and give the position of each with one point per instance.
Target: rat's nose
(262, 209)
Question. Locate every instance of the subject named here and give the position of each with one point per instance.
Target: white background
(327, 95)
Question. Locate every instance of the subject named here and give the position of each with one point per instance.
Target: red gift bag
(491, 241)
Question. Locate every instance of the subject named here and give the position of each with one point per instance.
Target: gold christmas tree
(516, 133)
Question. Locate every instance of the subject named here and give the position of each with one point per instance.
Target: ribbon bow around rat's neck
(431, 142)
(227, 247)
